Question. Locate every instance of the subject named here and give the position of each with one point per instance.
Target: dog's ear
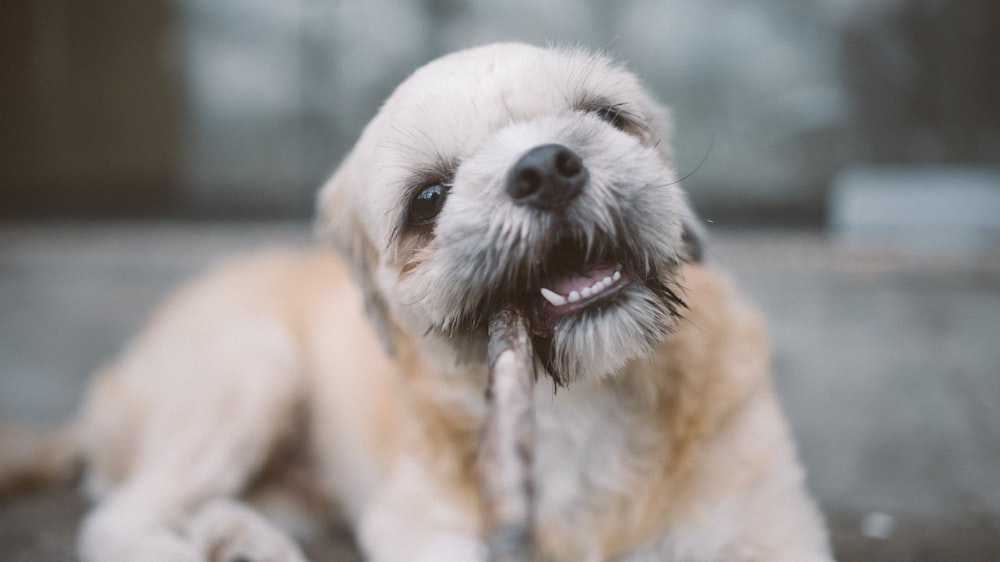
(693, 236)
(692, 240)
(338, 226)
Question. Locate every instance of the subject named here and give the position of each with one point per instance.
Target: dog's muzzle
(583, 244)
(548, 178)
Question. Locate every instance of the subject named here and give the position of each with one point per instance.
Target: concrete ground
(887, 358)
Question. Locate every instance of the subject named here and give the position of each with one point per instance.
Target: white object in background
(921, 204)
(877, 525)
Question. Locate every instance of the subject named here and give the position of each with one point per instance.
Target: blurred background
(845, 153)
(116, 108)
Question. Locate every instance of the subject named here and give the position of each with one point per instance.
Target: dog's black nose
(547, 177)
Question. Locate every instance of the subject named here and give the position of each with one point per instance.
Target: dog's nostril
(524, 183)
(547, 177)
(568, 164)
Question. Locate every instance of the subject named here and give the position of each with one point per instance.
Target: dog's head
(516, 176)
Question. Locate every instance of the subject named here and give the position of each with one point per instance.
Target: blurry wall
(242, 107)
(91, 111)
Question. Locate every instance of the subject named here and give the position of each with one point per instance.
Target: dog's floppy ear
(339, 227)
(693, 240)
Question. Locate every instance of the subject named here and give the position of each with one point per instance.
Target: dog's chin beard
(599, 339)
(594, 307)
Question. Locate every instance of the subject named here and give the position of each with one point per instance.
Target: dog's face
(515, 176)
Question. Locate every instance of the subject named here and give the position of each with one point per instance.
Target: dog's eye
(426, 206)
(616, 116)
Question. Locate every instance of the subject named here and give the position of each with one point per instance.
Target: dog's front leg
(418, 518)
(212, 416)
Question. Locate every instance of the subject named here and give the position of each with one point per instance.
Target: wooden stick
(505, 455)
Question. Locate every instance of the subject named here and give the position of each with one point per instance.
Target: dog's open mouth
(574, 281)
(574, 291)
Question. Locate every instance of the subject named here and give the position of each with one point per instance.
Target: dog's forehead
(458, 100)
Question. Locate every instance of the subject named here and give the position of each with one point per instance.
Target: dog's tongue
(579, 280)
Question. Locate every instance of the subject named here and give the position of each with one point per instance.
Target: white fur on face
(463, 121)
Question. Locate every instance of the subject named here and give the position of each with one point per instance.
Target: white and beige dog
(502, 176)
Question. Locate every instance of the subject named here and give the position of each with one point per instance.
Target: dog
(351, 378)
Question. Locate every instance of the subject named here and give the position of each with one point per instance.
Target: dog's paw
(228, 531)
(120, 532)
(147, 547)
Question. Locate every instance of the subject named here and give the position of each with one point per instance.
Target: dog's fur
(360, 379)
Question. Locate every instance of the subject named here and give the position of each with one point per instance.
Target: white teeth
(558, 300)
(554, 298)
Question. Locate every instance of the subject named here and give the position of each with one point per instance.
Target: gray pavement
(887, 359)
